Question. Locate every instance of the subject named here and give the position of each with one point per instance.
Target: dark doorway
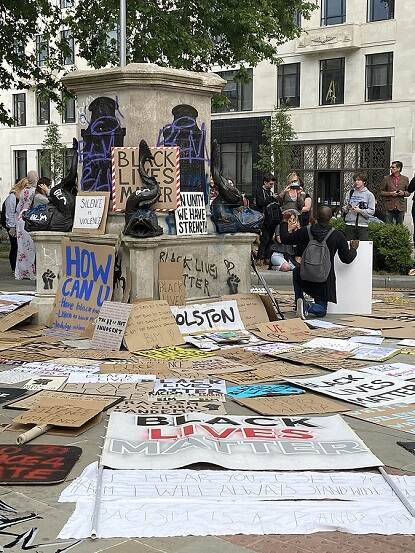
(328, 189)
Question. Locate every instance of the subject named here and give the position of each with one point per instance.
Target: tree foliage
(53, 152)
(184, 34)
(274, 154)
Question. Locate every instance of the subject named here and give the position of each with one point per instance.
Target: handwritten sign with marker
(165, 169)
(223, 315)
(91, 212)
(110, 325)
(191, 215)
(86, 282)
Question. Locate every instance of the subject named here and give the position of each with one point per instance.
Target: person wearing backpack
(317, 245)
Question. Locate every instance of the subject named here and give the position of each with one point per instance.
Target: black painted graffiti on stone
(103, 133)
(185, 132)
(48, 278)
(233, 283)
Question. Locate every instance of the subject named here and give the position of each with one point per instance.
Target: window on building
(69, 47)
(289, 84)
(43, 163)
(66, 4)
(236, 161)
(19, 109)
(68, 114)
(20, 164)
(332, 82)
(43, 110)
(379, 75)
(297, 18)
(378, 10)
(42, 50)
(239, 93)
(333, 12)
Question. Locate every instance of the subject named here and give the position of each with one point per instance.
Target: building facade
(349, 82)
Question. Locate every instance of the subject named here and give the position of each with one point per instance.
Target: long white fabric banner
(145, 519)
(253, 442)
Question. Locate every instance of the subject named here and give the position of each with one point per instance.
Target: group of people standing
(28, 192)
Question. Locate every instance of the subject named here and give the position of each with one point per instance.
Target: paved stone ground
(43, 499)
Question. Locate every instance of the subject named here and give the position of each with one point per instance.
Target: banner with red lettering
(252, 442)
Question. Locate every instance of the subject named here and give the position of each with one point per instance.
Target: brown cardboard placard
(290, 330)
(59, 430)
(406, 332)
(12, 319)
(22, 356)
(151, 325)
(217, 365)
(240, 355)
(371, 323)
(91, 212)
(251, 308)
(87, 354)
(139, 390)
(270, 371)
(61, 397)
(71, 415)
(328, 359)
(86, 282)
(110, 325)
(148, 366)
(342, 333)
(171, 285)
(303, 404)
(126, 178)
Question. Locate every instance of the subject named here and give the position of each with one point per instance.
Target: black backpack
(315, 261)
(3, 215)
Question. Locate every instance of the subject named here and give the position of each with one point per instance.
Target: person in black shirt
(265, 194)
(268, 204)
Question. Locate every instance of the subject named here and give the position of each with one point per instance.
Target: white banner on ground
(190, 386)
(225, 485)
(369, 390)
(145, 519)
(398, 370)
(204, 317)
(252, 442)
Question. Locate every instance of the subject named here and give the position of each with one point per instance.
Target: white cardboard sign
(204, 317)
(239, 443)
(202, 386)
(365, 389)
(191, 215)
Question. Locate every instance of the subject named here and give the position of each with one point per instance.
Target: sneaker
(301, 309)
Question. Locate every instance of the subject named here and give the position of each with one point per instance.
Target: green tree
(274, 154)
(52, 158)
(184, 34)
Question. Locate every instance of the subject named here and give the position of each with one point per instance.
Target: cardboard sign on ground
(86, 282)
(25, 403)
(262, 390)
(398, 416)
(91, 209)
(328, 359)
(45, 383)
(165, 169)
(71, 415)
(151, 325)
(174, 352)
(406, 332)
(218, 365)
(241, 355)
(304, 404)
(139, 390)
(267, 372)
(145, 366)
(36, 464)
(110, 325)
(205, 317)
(171, 286)
(371, 323)
(11, 394)
(18, 316)
(171, 407)
(251, 309)
(191, 216)
(291, 330)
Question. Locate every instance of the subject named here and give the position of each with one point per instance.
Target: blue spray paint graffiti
(185, 133)
(103, 133)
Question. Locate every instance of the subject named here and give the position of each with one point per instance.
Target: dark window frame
(19, 116)
(66, 4)
(241, 149)
(65, 117)
(284, 74)
(243, 96)
(369, 88)
(297, 18)
(371, 11)
(39, 102)
(341, 71)
(18, 157)
(67, 36)
(325, 19)
(42, 45)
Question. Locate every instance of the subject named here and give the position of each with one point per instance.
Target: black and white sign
(191, 215)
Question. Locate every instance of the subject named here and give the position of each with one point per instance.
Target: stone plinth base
(208, 262)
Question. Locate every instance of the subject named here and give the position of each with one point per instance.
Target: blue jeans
(319, 307)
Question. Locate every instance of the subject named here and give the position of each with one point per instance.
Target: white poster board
(191, 215)
(91, 212)
(204, 317)
(354, 283)
(242, 443)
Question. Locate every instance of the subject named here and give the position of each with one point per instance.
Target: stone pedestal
(208, 261)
